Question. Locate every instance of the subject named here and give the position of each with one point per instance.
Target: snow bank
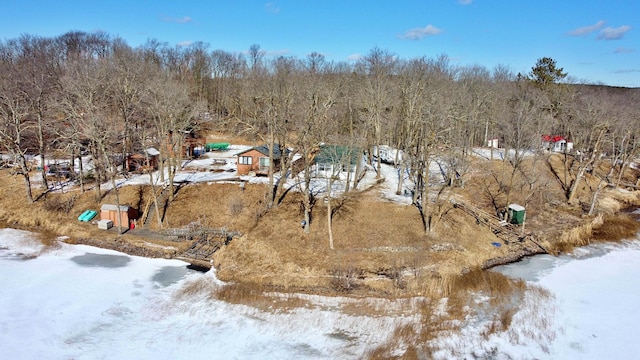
(18, 243)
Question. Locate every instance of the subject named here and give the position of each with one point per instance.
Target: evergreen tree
(546, 72)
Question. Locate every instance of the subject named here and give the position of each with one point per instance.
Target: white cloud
(626, 71)
(610, 33)
(354, 57)
(185, 43)
(272, 8)
(465, 2)
(586, 29)
(419, 33)
(276, 53)
(622, 50)
(182, 20)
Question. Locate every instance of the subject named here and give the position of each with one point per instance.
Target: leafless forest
(93, 94)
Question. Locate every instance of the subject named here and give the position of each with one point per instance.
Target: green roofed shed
(516, 214)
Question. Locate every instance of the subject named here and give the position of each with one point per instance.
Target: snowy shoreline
(77, 301)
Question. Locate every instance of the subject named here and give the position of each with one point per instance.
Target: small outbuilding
(556, 143)
(127, 214)
(516, 214)
(144, 161)
(388, 154)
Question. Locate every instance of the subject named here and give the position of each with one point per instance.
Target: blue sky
(594, 40)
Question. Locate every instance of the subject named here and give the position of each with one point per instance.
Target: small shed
(110, 212)
(147, 160)
(556, 143)
(516, 214)
(388, 154)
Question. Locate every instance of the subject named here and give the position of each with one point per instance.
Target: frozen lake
(80, 302)
(597, 293)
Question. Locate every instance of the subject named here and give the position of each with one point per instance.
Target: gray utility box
(105, 224)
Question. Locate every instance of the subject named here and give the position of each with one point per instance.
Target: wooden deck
(206, 242)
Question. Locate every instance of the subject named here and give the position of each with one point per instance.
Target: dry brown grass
(607, 227)
(260, 298)
(216, 206)
(616, 227)
(504, 295)
(55, 214)
(202, 287)
(380, 247)
(576, 236)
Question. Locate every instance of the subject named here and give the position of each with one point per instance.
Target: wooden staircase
(150, 210)
(508, 233)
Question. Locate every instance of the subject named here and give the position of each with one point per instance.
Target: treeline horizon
(92, 93)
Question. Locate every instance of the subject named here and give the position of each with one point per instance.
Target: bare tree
(14, 124)
(376, 70)
(173, 115)
(426, 85)
(314, 118)
(38, 73)
(593, 126)
(521, 129)
(128, 76)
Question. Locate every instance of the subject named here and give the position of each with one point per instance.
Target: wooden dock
(206, 242)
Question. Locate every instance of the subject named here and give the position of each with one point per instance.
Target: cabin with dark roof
(255, 161)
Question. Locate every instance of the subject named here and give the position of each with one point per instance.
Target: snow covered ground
(80, 302)
(220, 166)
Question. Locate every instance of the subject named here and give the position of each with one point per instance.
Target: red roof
(553, 139)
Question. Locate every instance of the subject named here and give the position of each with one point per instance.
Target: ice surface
(56, 306)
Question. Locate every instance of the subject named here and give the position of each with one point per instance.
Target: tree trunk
(98, 180)
(602, 181)
(426, 213)
(80, 166)
(24, 170)
(574, 187)
(153, 191)
(307, 200)
(272, 190)
(41, 149)
(401, 177)
(623, 167)
(329, 220)
(118, 211)
(594, 154)
(356, 177)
